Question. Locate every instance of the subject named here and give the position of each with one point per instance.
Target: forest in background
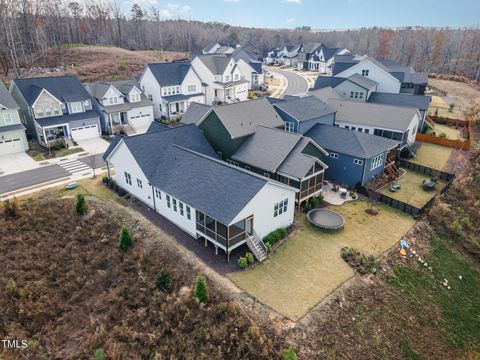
(32, 27)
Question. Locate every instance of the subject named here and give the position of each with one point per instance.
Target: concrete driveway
(13, 163)
(94, 145)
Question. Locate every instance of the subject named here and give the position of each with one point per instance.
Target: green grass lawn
(450, 131)
(443, 109)
(454, 314)
(432, 155)
(412, 191)
(308, 266)
(67, 152)
(93, 187)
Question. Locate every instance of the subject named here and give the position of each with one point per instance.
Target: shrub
(289, 354)
(122, 65)
(308, 206)
(163, 282)
(436, 112)
(476, 177)
(346, 252)
(269, 247)
(81, 206)
(99, 354)
(242, 262)
(249, 257)
(10, 208)
(275, 236)
(442, 136)
(105, 179)
(116, 187)
(125, 241)
(200, 290)
(450, 108)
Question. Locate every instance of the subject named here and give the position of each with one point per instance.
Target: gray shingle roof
(305, 108)
(195, 112)
(362, 81)
(99, 89)
(113, 144)
(66, 118)
(6, 99)
(275, 150)
(180, 162)
(349, 142)
(325, 94)
(13, 127)
(376, 115)
(241, 118)
(216, 63)
(326, 81)
(155, 126)
(64, 88)
(405, 100)
(172, 73)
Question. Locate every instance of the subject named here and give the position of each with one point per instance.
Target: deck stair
(257, 246)
(411, 148)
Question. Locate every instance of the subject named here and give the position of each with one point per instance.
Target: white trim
(41, 92)
(371, 62)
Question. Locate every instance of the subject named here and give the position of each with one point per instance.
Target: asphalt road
(297, 85)
(33, 177)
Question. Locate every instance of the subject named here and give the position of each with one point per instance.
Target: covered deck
(225, 237)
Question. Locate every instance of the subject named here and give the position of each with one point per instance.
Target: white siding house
(376, 72)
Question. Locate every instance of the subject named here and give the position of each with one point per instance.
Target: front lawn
(93, 187)
(432, 155)
(70, 151)
(411, 191)
(308, 266)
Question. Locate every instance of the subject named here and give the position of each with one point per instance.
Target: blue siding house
(354, 158)
(302, 113)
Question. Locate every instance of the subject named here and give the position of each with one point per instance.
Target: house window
(168, 201)
(360, 129)
(377, 161)
(236, 77)
(160, 107)
(180, 204)
(158, 193)
(227, 78)
(7, 118)
(192, 88)
(189, 215)
(334, 155)
(289, 127)
(351, 94)
(266, 174)
(367, 131)
(358, 162)
(139, 183)
(174, 204)
(76, 107)
(135, 97)
(48, 110)
(354, 128)
(365, 72)
(150, 97)
(360, 95)
(231, 162)
(347, 127)
(280, 208)
(414, 130)
(128, 178)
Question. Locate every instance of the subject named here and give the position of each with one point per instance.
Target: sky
(322, 14)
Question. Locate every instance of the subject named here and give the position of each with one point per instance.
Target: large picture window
(76, 107)
(376, 162)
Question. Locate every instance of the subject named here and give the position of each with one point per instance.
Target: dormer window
(75, 107)
(134, 97)
(112, 100)
(7, 118)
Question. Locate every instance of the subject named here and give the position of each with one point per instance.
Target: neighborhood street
(297, 85)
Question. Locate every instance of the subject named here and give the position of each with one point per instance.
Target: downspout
(153, 197)
(364, 170)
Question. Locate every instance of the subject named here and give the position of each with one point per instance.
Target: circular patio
(326, 219)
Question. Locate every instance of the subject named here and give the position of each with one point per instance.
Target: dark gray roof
(155, 126)
(64, 88)
(350, 142)
(375, 115)
(328, 53)
(326, 81)
(209, 46)
(275, 150)
(341, 66)
(241, 118)
(6, 99)
(216, 63)
(99, 89)
(13, 127)
(325, 94)
(180, 162)
(309, 48)
(362, 81)
(171, 73)
(195, 112)
(66, 118)
(113, 144)
(388, 62)
(405, 100)
(305, 108)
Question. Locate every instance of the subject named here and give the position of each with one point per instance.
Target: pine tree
(201, 289)
(81, 207)
(126, 240)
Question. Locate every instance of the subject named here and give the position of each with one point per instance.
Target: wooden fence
(457, 144)
(403, 206)
(450, 121)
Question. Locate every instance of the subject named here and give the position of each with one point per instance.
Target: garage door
(10, 146)
(85, 132)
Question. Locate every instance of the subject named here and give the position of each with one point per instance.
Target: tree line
(32, 27)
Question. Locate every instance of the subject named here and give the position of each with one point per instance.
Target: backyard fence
(457, 144)
(437, 90)
(403, 206)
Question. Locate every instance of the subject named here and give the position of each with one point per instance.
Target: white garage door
(11, 146)
(85, 132)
